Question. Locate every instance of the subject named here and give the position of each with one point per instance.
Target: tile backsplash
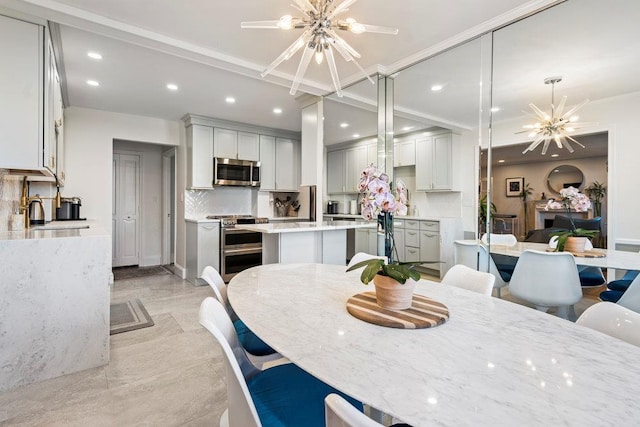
(220, 201)
(10, 187)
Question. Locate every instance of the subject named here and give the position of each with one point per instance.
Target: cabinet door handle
(430, 235)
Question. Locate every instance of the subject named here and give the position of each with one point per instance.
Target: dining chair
(589, 276)
(363, 256)
(283, 395)
(614, 320)
(486, 263)
(464, 277)
(465, 252)
(499, 239)
(259, 351)
(339, 413)
(631, 297)
(617, 288)
(547, 279)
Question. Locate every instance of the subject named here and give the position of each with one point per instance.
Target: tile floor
(170, 374)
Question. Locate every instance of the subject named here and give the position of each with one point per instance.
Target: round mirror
(564, 176)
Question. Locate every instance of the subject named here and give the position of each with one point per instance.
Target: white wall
(89, 136)
(619, 117)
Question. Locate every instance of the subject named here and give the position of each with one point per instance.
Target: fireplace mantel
(542, 214)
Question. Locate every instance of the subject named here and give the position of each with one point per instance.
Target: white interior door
(126, 208)
(168, 205)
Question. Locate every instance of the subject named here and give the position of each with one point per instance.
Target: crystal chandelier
(320, 37)
(554, 127)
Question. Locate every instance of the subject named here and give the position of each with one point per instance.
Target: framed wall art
(514, 186)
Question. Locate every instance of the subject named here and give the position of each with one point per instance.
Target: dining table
(597, 257)
(493, 362)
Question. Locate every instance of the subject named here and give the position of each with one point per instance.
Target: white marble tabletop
(494, 363)
(623, 260)
(297, 227)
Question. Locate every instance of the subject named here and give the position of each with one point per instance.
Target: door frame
(169, 205)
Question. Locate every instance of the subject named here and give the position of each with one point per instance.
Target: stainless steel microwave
(243, 173)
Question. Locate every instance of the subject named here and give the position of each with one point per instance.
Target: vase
(385, 221)
(575, 244)
(393, 295)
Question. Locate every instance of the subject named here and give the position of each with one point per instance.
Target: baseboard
(150, 260)
(180, 271)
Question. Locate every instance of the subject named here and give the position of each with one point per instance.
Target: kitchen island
(317, 242)
(54, 301)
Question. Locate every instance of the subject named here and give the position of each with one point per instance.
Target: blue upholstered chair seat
(591, 276)
(250, 341)
(505, 264)
(619, 285)
(278, 392)
(611, 296)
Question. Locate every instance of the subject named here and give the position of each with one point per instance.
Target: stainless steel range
(239, 249)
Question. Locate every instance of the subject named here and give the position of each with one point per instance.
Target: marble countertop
(397, 217)
(56, 230)
(492, 363)
(297, 227)
(201, 220)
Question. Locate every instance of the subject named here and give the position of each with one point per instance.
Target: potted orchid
(381, 202)
(572, 200)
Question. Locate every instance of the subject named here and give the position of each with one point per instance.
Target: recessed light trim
(172, 86)
(230, 100)
(501, 161)
(94, 55)
(356, 135)
(495, 109)
(436, 88)
(555, 155)
(407, 128)
(93, 83)
(277, 110)
(344, 125)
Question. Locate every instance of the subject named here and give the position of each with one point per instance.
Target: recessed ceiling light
(555, 155)
(277, 110)
(407, 128)
(436, 88)
(93, 83)
(495, 109)
(230, 99)
(94, 55)
(171, 86)
(356, 135)
(501, 161)
(344, 125)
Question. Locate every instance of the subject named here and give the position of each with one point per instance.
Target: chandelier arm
(341, 7)
(541, 114)
(576, 108)
(534, 144)
(343, 43)
(290, 51)
(545, 146)
(558, 139)
(380, 30)
(363, 72)
(566, 145)
(334, 71)
(347, 57)
(307, 54)
(267, 25)
(306, 6)
(561, 106)
(575, 141)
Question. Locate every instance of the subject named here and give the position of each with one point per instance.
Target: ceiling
(199, 46)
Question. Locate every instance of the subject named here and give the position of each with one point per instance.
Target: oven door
(234, 261)
(234, 239)
(232, 172)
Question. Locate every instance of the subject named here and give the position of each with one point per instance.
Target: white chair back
(500, 239)
(215, 281)
(546, 279)
(362, 256)
(465, 252)
(340, 413)
(241, 410)
(631, 297)
(614, 320)
(464, 277)
(483, 260)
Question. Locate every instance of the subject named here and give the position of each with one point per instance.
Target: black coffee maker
(69, 209)
(332, 207)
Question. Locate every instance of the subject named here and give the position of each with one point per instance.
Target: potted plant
(573, 240)
(527, 191)
(596, 192)
(482, 211)
(394, 280)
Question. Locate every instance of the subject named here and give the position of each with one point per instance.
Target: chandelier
(320, 37)
(554, 127)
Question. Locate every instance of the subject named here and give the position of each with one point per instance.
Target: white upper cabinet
(199, 156)
(267, 162)
(287, 164)
(248, 146)
(372, 154)
(404, 153)
(335, 171)
(344, 168)
(434, 162)
(355, 162)
(21, 103)
(231, 144)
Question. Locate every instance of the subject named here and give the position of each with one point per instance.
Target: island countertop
(57, 229)
(297, 227)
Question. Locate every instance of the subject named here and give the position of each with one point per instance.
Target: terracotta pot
(391, 294)
(575, 244)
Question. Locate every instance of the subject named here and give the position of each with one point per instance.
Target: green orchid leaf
(378, 261)
(370, 272)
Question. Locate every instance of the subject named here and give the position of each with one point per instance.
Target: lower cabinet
(430, 243)
(203, 248)
(366, 241)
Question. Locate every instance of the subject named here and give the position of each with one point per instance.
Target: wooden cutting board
(585, 254)
(423, 313)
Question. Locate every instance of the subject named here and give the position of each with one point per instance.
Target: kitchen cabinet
(199, 156)
(366, 241)
(411, 240)
(203, 248)
(398, 238)
(53, 151)
(430, 243)
(231, 144)
(279, 164)
(404, 153)
(434, 162)
(22, 78)
(335, 171)
(372, 154)
(355, 162)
